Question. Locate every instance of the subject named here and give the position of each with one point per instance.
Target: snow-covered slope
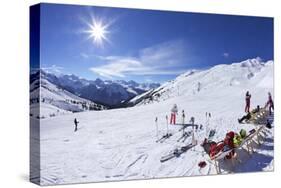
(55, 100)
(252, 72)
(120, 144)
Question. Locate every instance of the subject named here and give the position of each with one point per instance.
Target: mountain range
(62, 90)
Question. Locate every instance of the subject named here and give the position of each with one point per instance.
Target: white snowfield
(120, 144)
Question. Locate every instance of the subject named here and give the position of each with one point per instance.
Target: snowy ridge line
(230, 75)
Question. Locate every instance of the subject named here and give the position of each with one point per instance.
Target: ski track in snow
(120, 144)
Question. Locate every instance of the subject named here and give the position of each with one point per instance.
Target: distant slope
(55, 100)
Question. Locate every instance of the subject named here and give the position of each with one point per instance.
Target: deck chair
(219, 156)
(249, 139)
(259, 117)
(247, 142)
(260, 134)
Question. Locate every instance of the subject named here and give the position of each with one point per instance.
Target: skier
(76, 124)
(198, 86)
(174, 112)
(248, 102)
(269, 103)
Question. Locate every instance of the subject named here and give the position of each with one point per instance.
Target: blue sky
(145, 45)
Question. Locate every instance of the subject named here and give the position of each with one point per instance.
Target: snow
(53, 100)
(44, 110)
(120, 144)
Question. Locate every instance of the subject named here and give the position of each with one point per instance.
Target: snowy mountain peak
(99, 82)
(245, 74)
(252, 63)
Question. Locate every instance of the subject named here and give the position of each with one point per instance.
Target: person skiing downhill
(248, 102)
(269, 103)
(76, 124)
(174, 111)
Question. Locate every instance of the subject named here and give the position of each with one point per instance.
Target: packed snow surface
(120, 144)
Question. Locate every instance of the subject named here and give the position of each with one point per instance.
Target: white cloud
(162, 59)
(225, 54)
(53, 69)
(148, 80)
(84, 55)
(117, 67)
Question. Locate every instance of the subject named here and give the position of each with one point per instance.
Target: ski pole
(183, 126)
(207, 124)
(192, 120)
(167, 124)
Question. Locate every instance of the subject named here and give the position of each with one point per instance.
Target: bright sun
(98, 32)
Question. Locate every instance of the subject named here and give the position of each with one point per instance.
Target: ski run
(130, 143)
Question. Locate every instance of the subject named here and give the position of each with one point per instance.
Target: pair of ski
(164, 137)
(177, 152)
(184, 126)
(184, 136)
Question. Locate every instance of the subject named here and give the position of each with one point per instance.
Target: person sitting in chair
(249, 115)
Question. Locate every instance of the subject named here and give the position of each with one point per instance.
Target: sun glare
(97, 32)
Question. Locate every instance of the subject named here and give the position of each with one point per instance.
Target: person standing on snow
(76, 124)
(269, 103)
(248, 102)
(174, 112)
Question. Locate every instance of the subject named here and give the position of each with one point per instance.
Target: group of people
(174, 111)
(231, 141)
(269, 104)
